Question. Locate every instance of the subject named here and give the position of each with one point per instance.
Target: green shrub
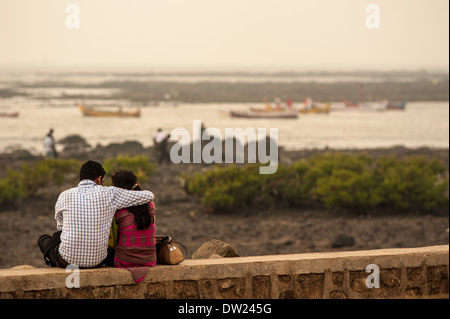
(323, 166)
(343, 181)
(48, 172)
(45, 175)
(36, 176)
(348, 189)
(289, 184)
(10, 187)
(415, 183)
(140, 165)
(227, 188)
(352, 182)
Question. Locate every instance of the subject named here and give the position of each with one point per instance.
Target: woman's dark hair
(127, 180)
(91, 170)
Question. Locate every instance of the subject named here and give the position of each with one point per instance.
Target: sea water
(422, 124)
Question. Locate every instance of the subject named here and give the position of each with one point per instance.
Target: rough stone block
(413, 292)
(337, 294)
(437, 278)
(390, 278)
(186, 289)
(415, 276)
(207, 288)
(338, 279)
(286, 287)
(358, 281)
(136, 291)
(261, 287)
(156, 290)
(100, 292)
(41, 294)
(231, 288)
(311, 285)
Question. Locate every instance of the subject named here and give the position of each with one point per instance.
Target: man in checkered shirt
(83, 218)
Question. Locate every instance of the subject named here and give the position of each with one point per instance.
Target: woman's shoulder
(121, 212)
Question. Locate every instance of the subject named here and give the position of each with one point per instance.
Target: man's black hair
(91, 170)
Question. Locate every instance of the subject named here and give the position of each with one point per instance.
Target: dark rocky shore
(275, 231)
(394, 86)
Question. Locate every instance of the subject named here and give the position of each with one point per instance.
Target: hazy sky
(220, 34)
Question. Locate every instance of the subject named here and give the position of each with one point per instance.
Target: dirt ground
(275, 231)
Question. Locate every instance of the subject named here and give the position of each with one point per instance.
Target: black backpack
(50, 244)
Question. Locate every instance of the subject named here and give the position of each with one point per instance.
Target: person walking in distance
(160, 142)
(49, 145)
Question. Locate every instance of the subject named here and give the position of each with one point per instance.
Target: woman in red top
(136, 228)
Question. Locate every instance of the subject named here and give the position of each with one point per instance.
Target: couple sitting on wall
(84, 215)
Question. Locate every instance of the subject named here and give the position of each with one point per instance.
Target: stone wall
(403, 273)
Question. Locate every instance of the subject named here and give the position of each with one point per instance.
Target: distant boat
(270, 111)
(311, 107)
(376, 106)
(264, 110)
(364, 106)
(11, 114)
(265, 115)
(396, 105)
(270, 108)
(380, 104)
(349, 103)
(90, 111)
(316, 110)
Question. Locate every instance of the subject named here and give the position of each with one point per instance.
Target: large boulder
(74, 144)
(214, 247)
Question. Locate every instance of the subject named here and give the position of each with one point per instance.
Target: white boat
(265, 115)
(362, 107)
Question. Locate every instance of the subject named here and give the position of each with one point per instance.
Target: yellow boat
(270, 108)
(89, 111)
(316, 109)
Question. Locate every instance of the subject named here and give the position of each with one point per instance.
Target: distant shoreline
(236, 86)
(149, 93)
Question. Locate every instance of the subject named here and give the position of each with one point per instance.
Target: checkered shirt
(84, 214)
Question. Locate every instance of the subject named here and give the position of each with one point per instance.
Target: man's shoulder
(81, 184)
(66, 193)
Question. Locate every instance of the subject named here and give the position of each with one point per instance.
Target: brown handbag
(168, 251)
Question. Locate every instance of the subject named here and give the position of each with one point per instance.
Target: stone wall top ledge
(29, 278)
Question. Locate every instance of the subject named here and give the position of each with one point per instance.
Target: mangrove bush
(341, 181)
(50, 176)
